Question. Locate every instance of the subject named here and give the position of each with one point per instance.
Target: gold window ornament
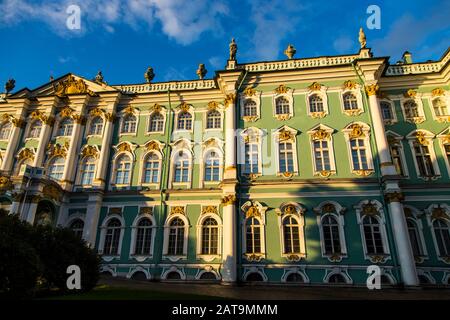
(249, 92)
(26, 154)
(372, 89)
(124, 147)
(89, 151)
(177, 210)
(212, 105)
(282, 89)
(350, 85)
(369, 209)
(437, 92)
(228, 199)
(356, 131)
(210, 210)
(315, 86)
(152, 145)
(421, 138)
(285, 135)
(320, 134)
(252, 211)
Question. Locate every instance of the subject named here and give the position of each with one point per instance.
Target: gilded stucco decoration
(71, 86)
(177, 210)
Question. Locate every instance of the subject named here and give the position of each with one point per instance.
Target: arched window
(213, 120)
(359, 154)
(337, 278)
(350, 101)
(112, 237)
(176, 237)
(386, 111)
(321, 155)
(87, 171)
(440, 107)
(151, 168)
(397, 160)
(423, 159)
(143, 237)
(56, 168)
(282, 106)
(315, 103)
(331, 237)
(208, 276)
(129, 123)
(173, 276)
(286, 156)
(291, 230)
(184, 121)
(210, 237)
(212, 166)
(5, 130)
(295, 277)
(442, 234)
(254, 277)
(77, 227)
(372, 235)
(411, 109)
(250, 108)
(253, 235)
(182, 167)
(65, 127)
(35, 129)
(123, 169)
(156, 122)
(96, 127)
(414, 238)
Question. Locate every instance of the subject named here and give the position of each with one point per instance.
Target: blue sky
(123, 38)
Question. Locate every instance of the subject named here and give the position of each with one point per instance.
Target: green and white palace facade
(304, 170)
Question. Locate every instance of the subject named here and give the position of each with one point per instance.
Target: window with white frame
(441, 229)
(291, 235)
(87, 171)
(123, 169)
(56, 168)
(423, 159)
(151, 168)
(411, 109)
(440, 107)
(331, 235)
(315, 104)
(77, 227)
(212, 166)
(321, 155)
(397, 158)
(144, 236)
(96, 126)
(129, 124)
(210, 237)
(181, 167)
(414, 238)
(251, 165)
(350, 101)
(282, 106)
(156, 122)
(373, 235)
(65, 127)
(359, 154)
(213, 119)
(176, 237)
(253, 237)
(5, 130)
(35, 129)
(184, 121)
(386, 111)
(286, 156)
(112, 237)
(250, 108)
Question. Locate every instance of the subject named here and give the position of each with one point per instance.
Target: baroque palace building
(295, 171)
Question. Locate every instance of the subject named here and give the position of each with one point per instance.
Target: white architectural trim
(251, 135)
(250, 270)
(129, 111)
(418, 100)
(133, 270)
(445, 97)
(219, 108)
(322, 132)
(201, 219)
(321, 91)
(416, 216)
(392, 107)
(394, 139)
(103, 228)
(444, 139)
(438, 212)
(134, 227)
(162, 111)
(184, 107)
(129, 151)
(296, 211)
(254, 96)
(285, 134)
(212, 144)
(289, 96)
(253, 209)
(295, 270)
(185, 146)
(338, 270)
(207, 269)
(359, 130)
(150, 147)
(166, 272)
(169, 219)
(357, 93)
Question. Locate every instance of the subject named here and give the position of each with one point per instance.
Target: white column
(229, 271)
(104, 152)
(69, 169)
(44, 137)
(12, 146)
(14, 207)
(387, 167)
(402, 241)
(91, 219)
(230, 138)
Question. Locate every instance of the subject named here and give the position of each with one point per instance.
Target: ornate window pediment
(250, 104)
(317, 101)
(322, 150)
(351, 98)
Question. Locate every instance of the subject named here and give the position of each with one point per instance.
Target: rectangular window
(359, 155)
(423, 159)
(251, 158)
(397, 159)
(322, 155)
(286, 157)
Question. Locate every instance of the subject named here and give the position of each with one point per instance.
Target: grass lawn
(105, 292)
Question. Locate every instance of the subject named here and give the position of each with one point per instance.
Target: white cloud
(274, 20)
(218, 63)
(183, 21)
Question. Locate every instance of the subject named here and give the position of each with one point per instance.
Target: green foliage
(35, 257)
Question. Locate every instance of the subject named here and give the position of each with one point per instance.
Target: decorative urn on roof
(201, 71)
(149, 75)
(290, 51)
